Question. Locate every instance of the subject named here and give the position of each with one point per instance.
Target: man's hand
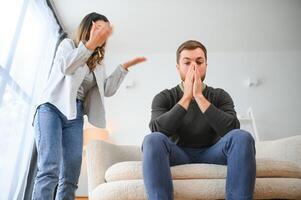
(188, 88)
(197, 85)
(202, 102)
(133, 62)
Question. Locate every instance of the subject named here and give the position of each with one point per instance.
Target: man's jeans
(236, 150)
(59, 144)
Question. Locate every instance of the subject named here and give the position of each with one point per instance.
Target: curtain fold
(30, 54)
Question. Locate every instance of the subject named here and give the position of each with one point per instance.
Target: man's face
(189, 58)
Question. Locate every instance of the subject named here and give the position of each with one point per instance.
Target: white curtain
(28, 38)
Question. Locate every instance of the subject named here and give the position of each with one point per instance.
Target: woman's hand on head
(99, 34)
(133, 62)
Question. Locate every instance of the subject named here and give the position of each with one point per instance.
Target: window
(28, 38)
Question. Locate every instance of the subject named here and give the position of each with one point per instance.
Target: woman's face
(100, 24)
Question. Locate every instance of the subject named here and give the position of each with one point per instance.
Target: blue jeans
(59, 144)
(236, 150)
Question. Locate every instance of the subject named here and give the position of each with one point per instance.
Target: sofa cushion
(265, 188)
(132, 170)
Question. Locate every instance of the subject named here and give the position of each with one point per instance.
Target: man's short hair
(191, 45)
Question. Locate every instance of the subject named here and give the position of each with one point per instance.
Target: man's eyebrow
(198, 58)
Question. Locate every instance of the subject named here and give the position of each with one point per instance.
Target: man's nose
(193, 64)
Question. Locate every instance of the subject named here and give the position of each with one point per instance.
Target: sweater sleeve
(165, 118)
(70, 58)
(112, 82)
(222, 118)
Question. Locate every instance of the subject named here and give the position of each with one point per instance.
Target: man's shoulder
(217, 95)
(168, 94)
(215, 90)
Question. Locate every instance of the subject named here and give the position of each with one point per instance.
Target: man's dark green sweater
(192, 128)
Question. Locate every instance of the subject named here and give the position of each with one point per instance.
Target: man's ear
(178, 67)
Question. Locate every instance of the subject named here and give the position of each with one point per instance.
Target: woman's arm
(70, 58)
(112, 82)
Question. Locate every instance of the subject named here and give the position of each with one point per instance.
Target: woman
(76, 86)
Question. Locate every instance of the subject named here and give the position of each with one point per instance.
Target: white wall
(275, 101)
(159, 26)
(256, 39)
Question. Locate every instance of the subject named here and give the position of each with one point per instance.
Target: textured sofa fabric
(132, 170)
(114, 172)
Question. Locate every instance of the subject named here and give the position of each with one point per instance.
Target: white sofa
(114, 173)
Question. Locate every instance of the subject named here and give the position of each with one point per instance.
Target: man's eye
(188, 63)
(199, 63)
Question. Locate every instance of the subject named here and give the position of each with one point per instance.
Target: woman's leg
(72, 143)
(48, 130)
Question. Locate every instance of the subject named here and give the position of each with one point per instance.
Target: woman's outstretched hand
(133, 62)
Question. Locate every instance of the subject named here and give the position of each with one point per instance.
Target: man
(195, 123)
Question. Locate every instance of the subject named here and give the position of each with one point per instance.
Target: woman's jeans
(59, 144)
(236, 150)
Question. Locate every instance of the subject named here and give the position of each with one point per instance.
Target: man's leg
(159, 153)
(237, 150)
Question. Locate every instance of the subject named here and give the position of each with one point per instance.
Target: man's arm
(222, 118)
(165, 117)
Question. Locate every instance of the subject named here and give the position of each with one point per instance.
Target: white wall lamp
(130, 83)
(252, 82)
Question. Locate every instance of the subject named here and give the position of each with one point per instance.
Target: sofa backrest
(286, 149)
(101, 155)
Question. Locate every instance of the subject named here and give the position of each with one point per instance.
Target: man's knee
(242, 136)
(153, 140)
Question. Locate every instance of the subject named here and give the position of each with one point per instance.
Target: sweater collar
(181, 85)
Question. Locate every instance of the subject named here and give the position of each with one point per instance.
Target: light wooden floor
(81, 198)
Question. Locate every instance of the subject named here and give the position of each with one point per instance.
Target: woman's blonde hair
(83, 34)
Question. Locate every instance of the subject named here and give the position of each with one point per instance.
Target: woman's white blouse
(68, 72)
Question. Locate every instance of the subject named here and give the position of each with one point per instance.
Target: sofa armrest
(101, 155)
(285, 149)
